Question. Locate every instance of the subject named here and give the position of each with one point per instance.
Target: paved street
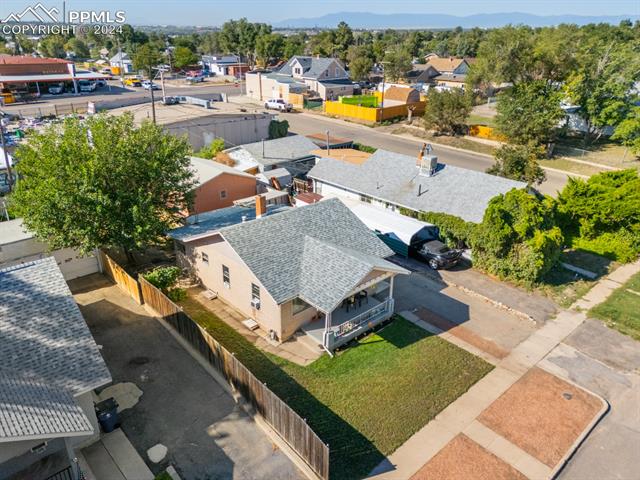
(207, 435)
(304, 123)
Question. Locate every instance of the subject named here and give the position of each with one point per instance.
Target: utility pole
(120, 61)
(6, 156)
(328, 149)
(162, 84)
(153, 103)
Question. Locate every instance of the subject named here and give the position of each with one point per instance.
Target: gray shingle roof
(32, 408)
(394, 178)
(204, 224)
(312, 67)
(280, 150)
(319, 252)
(43, 331)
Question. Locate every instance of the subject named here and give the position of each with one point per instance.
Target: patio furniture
(363, 295)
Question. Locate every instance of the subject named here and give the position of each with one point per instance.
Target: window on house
(226, 279)
(255, 293)
(365, 199)
(299, 305)
(205, 258)
(223, 194)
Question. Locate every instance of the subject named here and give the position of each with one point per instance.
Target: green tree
(628, 132)
(322, 43)
(210, 43)
(529, 112)
(360, 60)
(446, 112)
(52, 46)
(269, 46)
(213, 149)
(183, 57)
(102, 182)
(343, 39)
(519, 162)
(146, 58)
(397, 62)
(78, 47)
(518, 238)
(239, 36)
(602, 85)
(294, 45)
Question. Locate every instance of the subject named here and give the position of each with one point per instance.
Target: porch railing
(373, 314)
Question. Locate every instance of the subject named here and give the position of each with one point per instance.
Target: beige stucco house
(316, 268)
(324, 77)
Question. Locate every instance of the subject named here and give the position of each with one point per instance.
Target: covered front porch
(371, 304)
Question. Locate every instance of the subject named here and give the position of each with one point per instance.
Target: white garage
(20, 246)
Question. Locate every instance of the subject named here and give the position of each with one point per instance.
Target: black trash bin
(107, 413)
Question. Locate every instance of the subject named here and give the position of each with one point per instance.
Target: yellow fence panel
(483, 131)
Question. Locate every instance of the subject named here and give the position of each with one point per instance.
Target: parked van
(56, 88)
(86, 86)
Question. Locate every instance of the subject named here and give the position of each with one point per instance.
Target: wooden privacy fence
(120, 277)
(289, 425)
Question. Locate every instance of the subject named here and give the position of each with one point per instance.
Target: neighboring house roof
(422, 71)
(28, 60)
(221, 59)
(206, 224)
(395, 178)
(320, 139)
(451, 77)
(48, 355)
(401, 94)
(318, 252)
(345, 154)
(116, 58)
(13, 231)
(280, 150)
(448, 64)
(42, 329)
(312, 67)
(32, 408)
(205, 170)
(281, 174)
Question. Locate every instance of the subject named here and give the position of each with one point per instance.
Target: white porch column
(327, 326)
(391, 287)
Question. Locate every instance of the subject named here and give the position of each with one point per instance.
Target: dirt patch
(462, 333)
(542, 414)
(462, 458)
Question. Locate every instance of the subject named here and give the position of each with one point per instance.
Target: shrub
(211, 150)
(454, 231)
(518, 238)
(446, 112)
(278, 129)
(602, 214)
(177, 294)
(364, 148)
(519, 162)
(163, 278)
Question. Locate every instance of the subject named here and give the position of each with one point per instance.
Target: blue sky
(215, 12)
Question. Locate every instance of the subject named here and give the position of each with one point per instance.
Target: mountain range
(366, 20)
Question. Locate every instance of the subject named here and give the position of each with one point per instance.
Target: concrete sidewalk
(114, 458)
(461, 415)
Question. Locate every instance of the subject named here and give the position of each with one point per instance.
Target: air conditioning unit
(255, 303)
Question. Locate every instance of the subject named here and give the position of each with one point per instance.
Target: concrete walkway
(114, 457)
(460, 416)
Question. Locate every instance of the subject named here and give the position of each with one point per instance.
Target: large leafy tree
(529, 112)
(183, 57)
(602, 84)
(446, 112)
(269, 46)
(343, 39)
(360, 60)
(294, 45)
(239, 36)
(102, 182)
(519, 162)
(146, 57)
(397, 62)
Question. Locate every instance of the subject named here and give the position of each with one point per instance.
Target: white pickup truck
(278, 104)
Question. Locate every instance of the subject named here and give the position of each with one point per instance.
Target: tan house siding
(221, 191)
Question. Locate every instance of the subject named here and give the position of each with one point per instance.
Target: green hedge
(369, 101)
(453, 230)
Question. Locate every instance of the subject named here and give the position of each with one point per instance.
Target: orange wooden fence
(120, 277)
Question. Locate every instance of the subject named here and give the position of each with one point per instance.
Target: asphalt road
(310, 123)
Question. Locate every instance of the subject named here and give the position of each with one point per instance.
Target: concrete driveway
(182, 407)
(607, 363)
(469, 317)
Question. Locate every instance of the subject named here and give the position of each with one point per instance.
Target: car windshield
(443, 249)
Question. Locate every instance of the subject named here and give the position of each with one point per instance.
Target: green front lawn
(622, 309)
(370, 398)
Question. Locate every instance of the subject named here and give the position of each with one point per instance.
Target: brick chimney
(261, 206)
(421, 155)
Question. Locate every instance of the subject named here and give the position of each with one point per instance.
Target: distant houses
(219, 64)
(325, 78)
(443, 72)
